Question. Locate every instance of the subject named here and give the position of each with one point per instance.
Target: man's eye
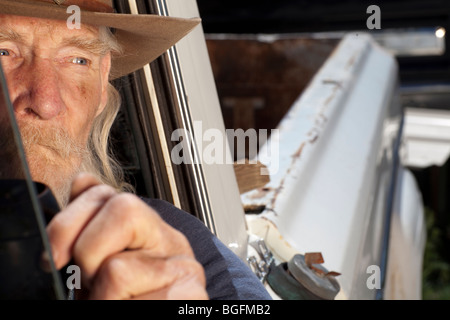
(80, 61)
(4, 52)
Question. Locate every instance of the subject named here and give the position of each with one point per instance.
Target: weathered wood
(249, 176)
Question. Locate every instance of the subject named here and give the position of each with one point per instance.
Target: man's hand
(124, 249)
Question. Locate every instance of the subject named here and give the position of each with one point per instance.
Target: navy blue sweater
(227, 276)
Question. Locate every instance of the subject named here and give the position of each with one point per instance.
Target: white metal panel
(323, 195)
(408, 237)
(204, 106)
(426, 140)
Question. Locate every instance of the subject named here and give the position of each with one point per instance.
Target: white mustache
(55, 139)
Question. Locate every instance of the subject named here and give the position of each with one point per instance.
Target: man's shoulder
(174, 216)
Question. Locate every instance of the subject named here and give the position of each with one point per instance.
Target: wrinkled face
(57, 80)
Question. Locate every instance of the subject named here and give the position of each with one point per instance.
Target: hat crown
(89, 5)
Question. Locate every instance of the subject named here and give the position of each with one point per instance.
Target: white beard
(54, 158)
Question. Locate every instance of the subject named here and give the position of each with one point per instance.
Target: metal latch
(303, 278)
(261, 266)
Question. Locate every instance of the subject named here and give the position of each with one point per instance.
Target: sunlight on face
(57, 80)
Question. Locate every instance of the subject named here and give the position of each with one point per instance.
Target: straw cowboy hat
(142, 37)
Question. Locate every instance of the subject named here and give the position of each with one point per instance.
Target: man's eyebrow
(10, 35)
(94, 45)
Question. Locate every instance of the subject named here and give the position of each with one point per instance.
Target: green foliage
(436, 270)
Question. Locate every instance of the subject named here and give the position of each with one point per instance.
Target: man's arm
(227, 276)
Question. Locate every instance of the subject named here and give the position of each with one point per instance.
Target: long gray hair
(101, 161)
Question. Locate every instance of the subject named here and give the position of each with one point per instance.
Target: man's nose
(40, 92)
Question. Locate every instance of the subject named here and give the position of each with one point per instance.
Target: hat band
(89, 5)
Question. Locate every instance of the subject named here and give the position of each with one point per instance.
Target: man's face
(57, 80)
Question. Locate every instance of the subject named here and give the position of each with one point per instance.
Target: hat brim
(143, 38)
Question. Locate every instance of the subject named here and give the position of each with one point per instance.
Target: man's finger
(81, 183)
(185, 289)
(65, 227)
(126, 223)
(133, 274)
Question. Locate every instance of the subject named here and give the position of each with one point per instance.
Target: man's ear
(105, 67)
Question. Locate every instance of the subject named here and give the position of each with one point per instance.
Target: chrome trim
(197, 173)
(389, 210)
(158, 120)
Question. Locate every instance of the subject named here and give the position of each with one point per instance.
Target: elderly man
(58, 80)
